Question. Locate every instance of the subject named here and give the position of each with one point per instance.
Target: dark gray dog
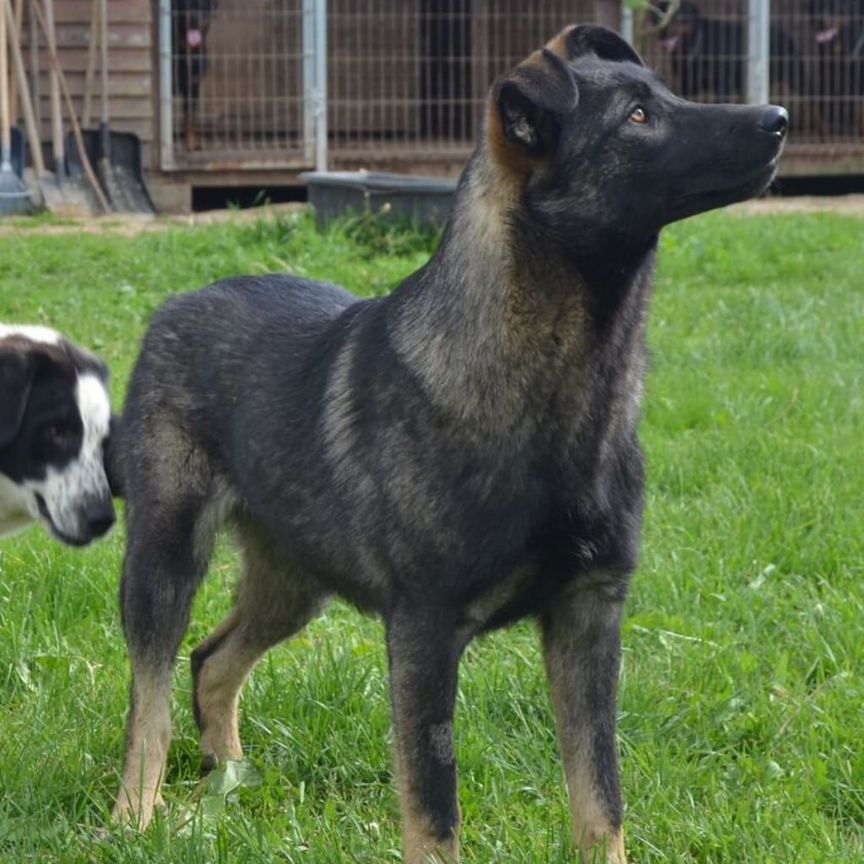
(456, 456)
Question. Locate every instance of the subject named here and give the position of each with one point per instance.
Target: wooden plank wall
(130, 65)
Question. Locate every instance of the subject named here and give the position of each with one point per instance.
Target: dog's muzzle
(95, 519)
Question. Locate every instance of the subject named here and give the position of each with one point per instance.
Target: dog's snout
(774, 120)
(99, 518)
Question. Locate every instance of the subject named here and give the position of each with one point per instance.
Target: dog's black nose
(100, 517)
(775, 120)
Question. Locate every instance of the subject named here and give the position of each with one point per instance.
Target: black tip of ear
(585, 39)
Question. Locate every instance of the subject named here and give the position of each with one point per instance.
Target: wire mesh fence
(828, 101)
(237, 81)
(407, 79)
(701, 51)
(816, 63)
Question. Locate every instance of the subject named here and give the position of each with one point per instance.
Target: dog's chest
(590, 523)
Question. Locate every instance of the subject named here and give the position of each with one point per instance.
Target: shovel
(117, 155)
(19, 146)
(68, 196)
(15, 197)
(70, 108)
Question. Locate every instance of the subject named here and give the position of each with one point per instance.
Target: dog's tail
(112, 457)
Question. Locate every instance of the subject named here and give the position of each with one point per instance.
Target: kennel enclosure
(287, 86)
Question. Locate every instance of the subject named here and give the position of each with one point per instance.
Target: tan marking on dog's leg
(421, 846)
(419, 839)
(220, 679)
(274, 602)
(224, 672)
(424, 658)
(581, 649)
(218, 687)
(216, 700)
(147, 742)
(593, 832)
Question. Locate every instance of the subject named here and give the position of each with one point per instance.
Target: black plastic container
(424, 201)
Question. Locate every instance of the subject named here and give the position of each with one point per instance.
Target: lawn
(743, 679)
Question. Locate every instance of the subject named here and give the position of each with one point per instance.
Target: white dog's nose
(99, 517)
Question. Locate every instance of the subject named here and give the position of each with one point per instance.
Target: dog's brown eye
(638, 115)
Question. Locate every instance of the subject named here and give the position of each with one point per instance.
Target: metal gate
(821, 77)
(242, 84)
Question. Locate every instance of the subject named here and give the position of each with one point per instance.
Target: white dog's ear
(16, 377)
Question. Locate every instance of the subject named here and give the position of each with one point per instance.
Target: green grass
(743, 677)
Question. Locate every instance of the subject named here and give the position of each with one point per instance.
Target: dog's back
(222, 369)
(213, 368)
(201, 347)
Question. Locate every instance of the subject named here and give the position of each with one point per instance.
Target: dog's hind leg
(172, 521)
(581, 642)
(161, 573)
(274, 601)
(424, 657)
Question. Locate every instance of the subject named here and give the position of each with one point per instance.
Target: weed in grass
(376, 237)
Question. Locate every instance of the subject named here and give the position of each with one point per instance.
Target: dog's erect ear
(532, 100)
(16, 376)
(581, 40)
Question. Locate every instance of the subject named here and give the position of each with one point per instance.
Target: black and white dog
(55, 420)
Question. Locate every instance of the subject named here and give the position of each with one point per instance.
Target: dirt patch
(842, 205)
(133, 224)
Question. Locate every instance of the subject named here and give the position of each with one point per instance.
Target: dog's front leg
(424, 657)
(581, 642)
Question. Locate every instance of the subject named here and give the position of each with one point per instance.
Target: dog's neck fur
(499, 334)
